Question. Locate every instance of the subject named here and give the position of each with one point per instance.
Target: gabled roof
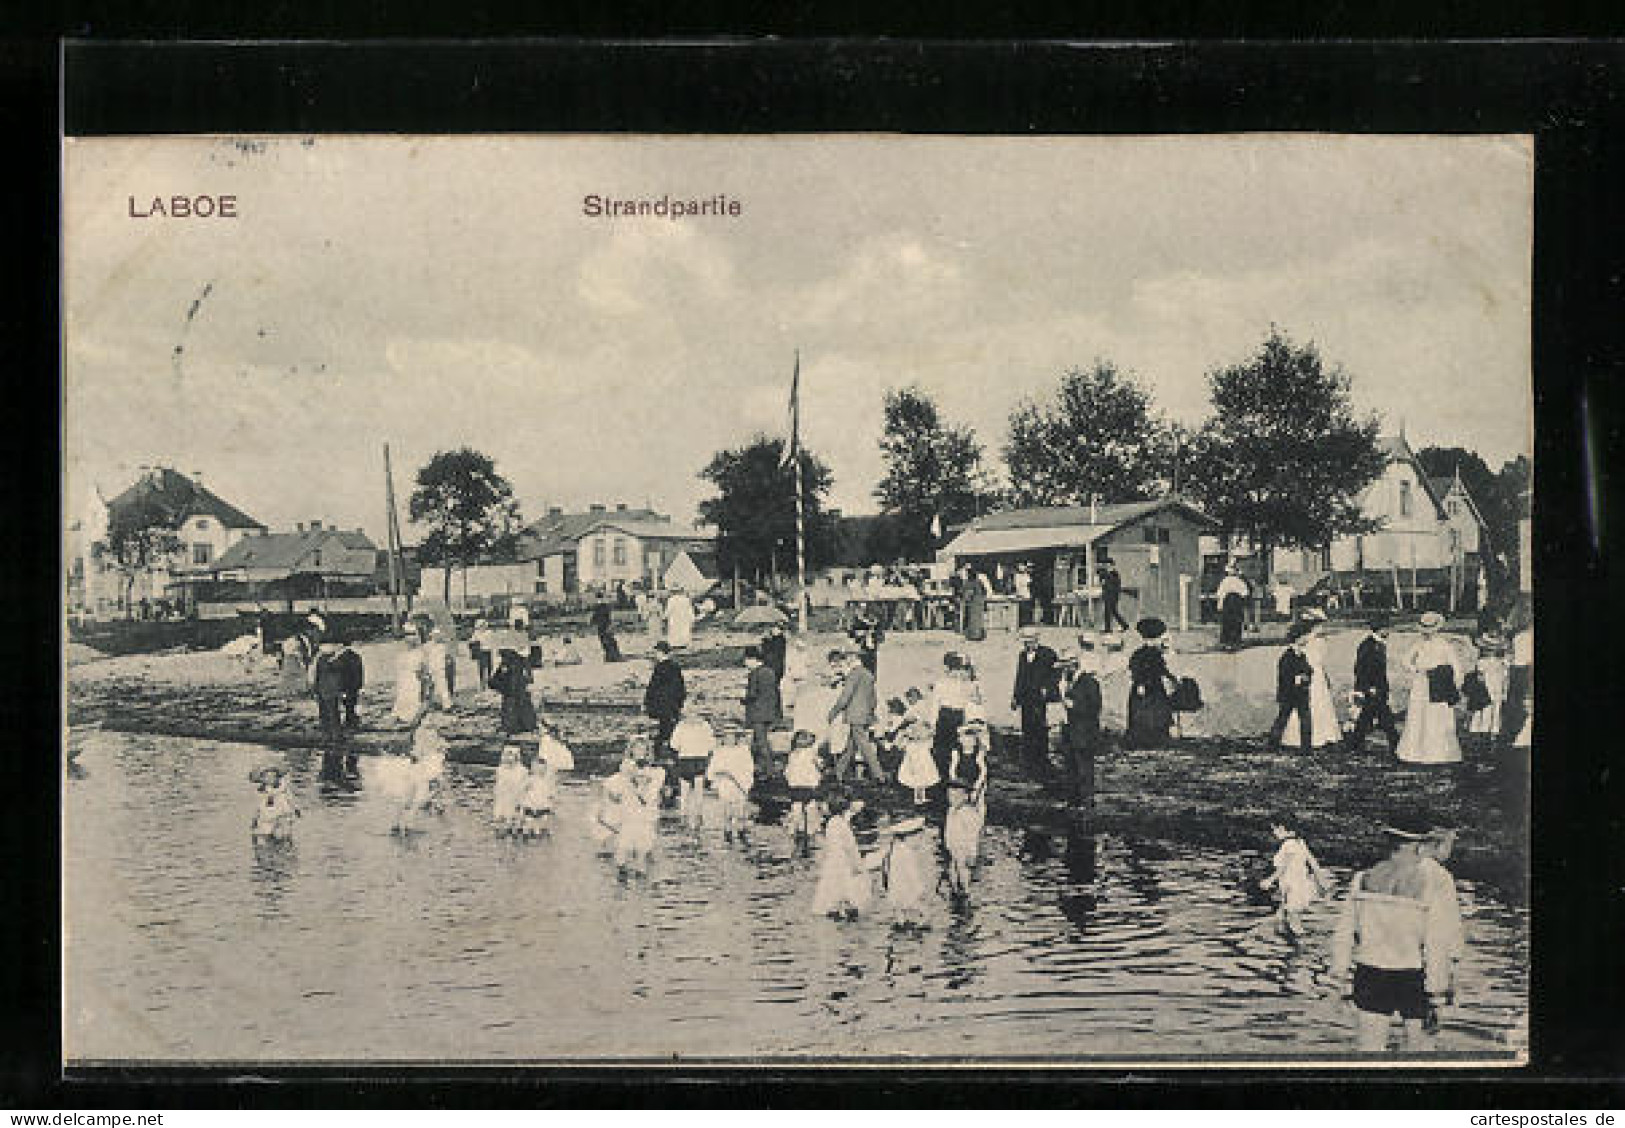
(1444, 486)
(1071, 526)
(561, 532)
(1398, 450)
(704, 561)
(178, 497)
(293, 550)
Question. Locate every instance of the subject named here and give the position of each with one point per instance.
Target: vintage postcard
(797, 599)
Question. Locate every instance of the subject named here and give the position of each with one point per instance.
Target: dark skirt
(690, 768)
(1230, 620)
(518, 713)
(946, 736)
(1380, 990)
(1150, 718)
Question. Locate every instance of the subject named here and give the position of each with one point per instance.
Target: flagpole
(795, 468)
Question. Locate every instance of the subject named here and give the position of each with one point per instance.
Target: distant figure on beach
(1151, 685)
(866, 635)
(512, 679)
(409, 680)
(1325, 727)
(1371, 687)
(275, 811)
(1036, 685)
(664, 696)
(1292, 677)
(977, 589)
(352, 678)
(918, 769)
(679, 620)
(437, 664)
(614, 795)
(954, 693)
(1232, 597)
(1396, 942)
(905, 871)
(482, 645)
(508, 790)
(603, 622)
(652, 611)
(1430, 722)
(1296, 877)
(538, 800)
(1111, 591)
(297, 654)
(763, 708)
(775, 651)
(844, 886)
(1492, 668)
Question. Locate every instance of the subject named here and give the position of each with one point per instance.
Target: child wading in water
(413, 780)
(614, 793)
(967, 803)
(918, 770)
(538, 799)
(273, 817)
(640, 813)
(1297, 879)
(905, 872)
(803, 773)
(508, 791)
(844, 887)
(693, 741)
(732, 772)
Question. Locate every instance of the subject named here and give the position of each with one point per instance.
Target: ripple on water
(456, 942)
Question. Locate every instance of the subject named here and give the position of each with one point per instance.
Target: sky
(434, 293)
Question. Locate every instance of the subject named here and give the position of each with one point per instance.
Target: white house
(601, 547)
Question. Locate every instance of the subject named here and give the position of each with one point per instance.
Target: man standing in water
(1035, 681)
(664, 697)
(1396, 942)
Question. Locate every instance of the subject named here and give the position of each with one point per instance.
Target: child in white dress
(550, 748)
(905, 872)
(918, 770)
(640, 815)
(538, 801)
(693, 740)
(844, 886)
(803, 773)
(274, 815)
(1297, 879)
(732, 772)
(508, 791)
(614, 793)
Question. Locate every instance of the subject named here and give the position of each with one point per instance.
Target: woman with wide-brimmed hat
(1151, 685)
(1429, 736)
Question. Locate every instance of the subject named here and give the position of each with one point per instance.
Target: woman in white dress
(1324, 726)
(679, 620)
(1492, 667)
(1430, 723)
(409, 680)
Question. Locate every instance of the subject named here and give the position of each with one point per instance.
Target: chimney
(555, 510)
(596, 507)
(197, 477)
(620, 507)
(299, 526)
(315, 526)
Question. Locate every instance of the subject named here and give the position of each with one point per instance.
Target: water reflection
(456, 942)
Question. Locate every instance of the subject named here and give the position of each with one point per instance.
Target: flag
(793, 447)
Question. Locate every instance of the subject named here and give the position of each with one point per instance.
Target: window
(316, 558)
(1162, 536)
(203, 522)
(620, 552)
(1150, 534)
(598, 552)
(1404, 499)
(202, 552)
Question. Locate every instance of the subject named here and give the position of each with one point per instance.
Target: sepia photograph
(785, 600)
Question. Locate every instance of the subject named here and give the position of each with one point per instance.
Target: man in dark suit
(773, 650)
(663, 699)
(762, 707)
(1292, 676)
(1371, 683)
(1111, 590)
(855, 708)
(1035, 683)
(352, 676)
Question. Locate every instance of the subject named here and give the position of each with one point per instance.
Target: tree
(933, 470)
(1098, 437)
(468, 508)
(754, 509)
(140, 535)
(1513, 480)
(1283, 459)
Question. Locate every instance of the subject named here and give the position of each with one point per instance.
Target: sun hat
(1430, 621)
(1151, 628)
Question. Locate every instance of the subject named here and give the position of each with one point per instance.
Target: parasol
(762, 615)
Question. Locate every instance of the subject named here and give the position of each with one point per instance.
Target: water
(183, 941)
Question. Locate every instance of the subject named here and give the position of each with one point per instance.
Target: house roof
(291, 550)
(1074, 526)
(178, 497)
(561, 532)
(1398, 450)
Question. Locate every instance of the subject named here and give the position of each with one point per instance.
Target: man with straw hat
(1292, 674)
(1394, 947)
